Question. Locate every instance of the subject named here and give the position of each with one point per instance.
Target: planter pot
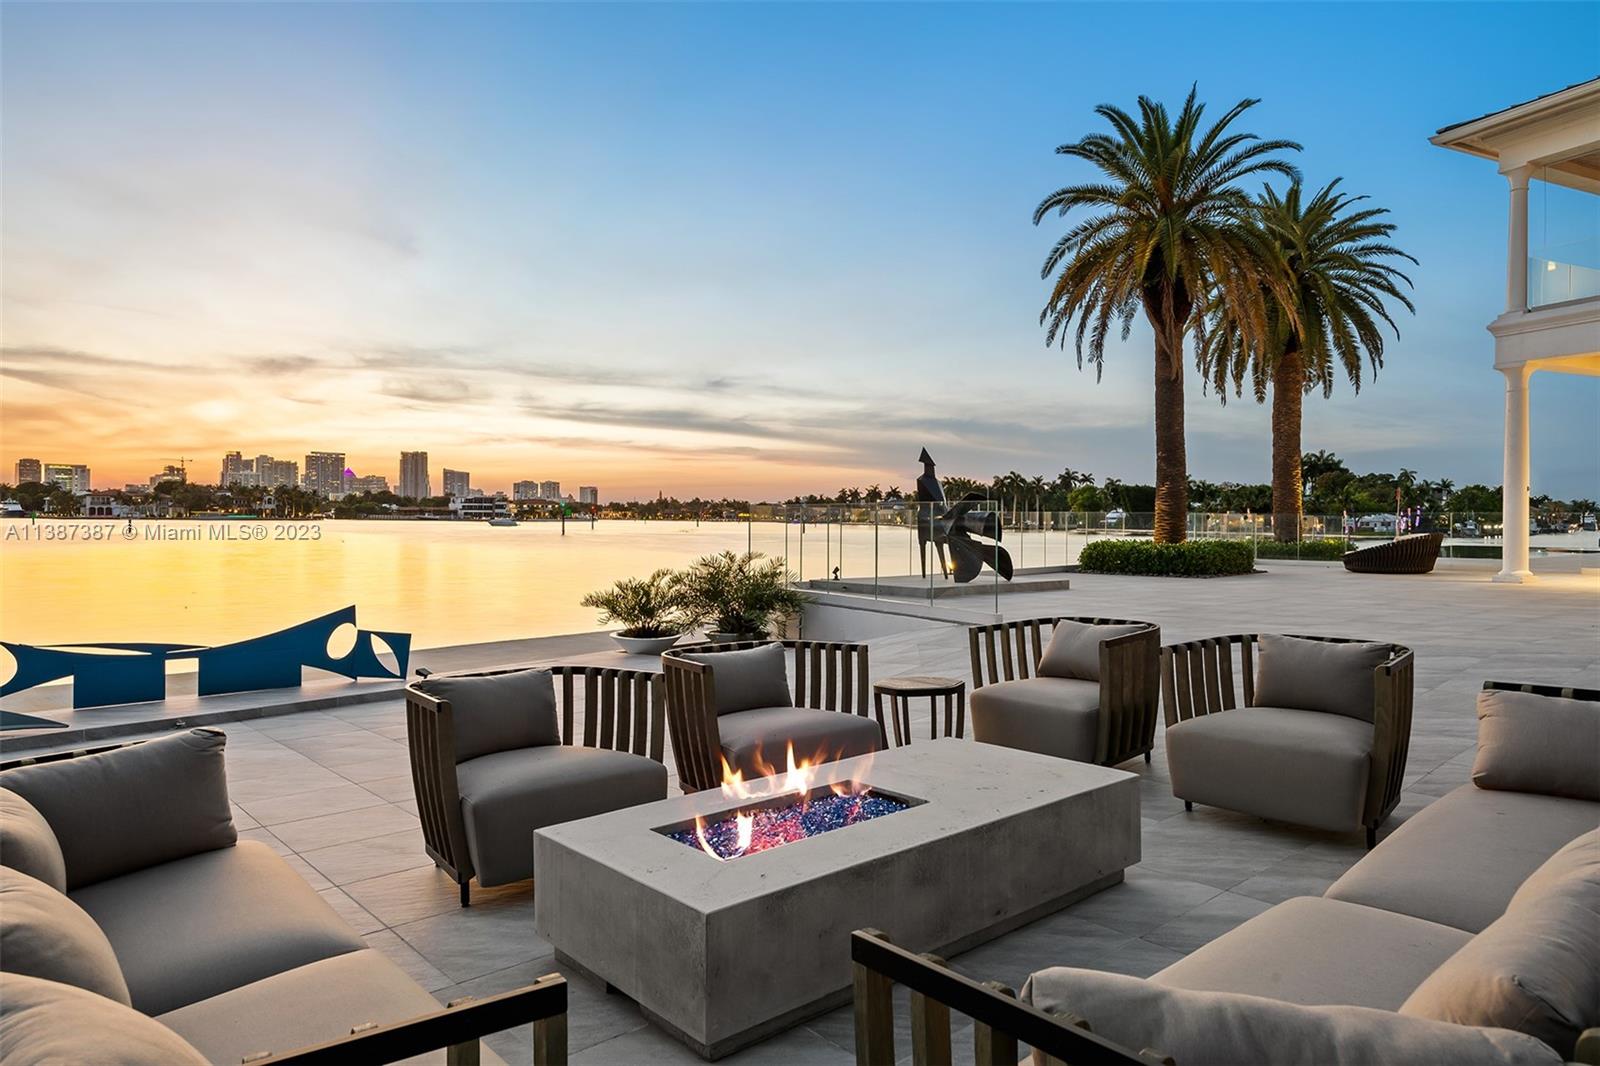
(645, 645)
(729, 638)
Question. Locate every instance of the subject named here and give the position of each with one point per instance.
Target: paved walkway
(331, 791)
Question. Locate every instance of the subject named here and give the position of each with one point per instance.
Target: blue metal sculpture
(110, 673)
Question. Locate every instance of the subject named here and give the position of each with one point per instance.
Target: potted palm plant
(650, 609)
(739, 597)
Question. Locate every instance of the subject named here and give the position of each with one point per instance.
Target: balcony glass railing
(1553, 282)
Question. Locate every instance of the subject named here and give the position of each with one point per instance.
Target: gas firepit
(786, 819)
(722, 954)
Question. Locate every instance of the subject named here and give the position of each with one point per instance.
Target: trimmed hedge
(1329, 549)
(1192, 558)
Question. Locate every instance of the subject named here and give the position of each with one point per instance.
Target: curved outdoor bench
(1413, 554)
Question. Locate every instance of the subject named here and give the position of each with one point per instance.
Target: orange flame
(798, 778)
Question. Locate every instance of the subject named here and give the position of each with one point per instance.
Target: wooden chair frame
(1129, 676)
(623, 711)
(1416, 553)
(1197, 679)
(458, 1028)
(827, 676)
(1000, 1020)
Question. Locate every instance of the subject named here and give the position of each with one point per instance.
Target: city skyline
(804, 303)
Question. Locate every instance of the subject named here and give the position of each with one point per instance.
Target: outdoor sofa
(1470, 934)
(733, 704)
(1076, 688)
(1415, 553)
(137, 928)
(493, 759)
(1321, 739)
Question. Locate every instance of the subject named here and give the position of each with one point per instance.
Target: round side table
(901, 691)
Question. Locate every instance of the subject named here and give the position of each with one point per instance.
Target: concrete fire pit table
(725, 953)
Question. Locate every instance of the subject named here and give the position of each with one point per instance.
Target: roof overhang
(1559, 133)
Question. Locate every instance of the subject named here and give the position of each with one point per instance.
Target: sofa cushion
(1533, 969)
(27, 842)
(46, 935)
(498, 712)
(747, 678)
(507, 795)
(1580, 856)
(1305, 767)
(308, 1005)
(190, 929)
(46, 1022)
(132, 807)
(1532, 743)
(1480, 843)
(1050, 715)
(756, 742)
(1074, 649)
(1228, 1029)
(1318, 675)
(1364, 957)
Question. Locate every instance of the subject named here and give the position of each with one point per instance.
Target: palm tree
(1172, 237)
(1324, 313)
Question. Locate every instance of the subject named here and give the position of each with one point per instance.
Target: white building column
(1514, 484)
(1517, 239)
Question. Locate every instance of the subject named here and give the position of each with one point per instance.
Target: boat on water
(12, 509)
(503, 520)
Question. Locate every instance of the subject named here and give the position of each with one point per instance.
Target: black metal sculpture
(955, 527)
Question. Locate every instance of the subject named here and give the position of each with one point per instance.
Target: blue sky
(760, 249)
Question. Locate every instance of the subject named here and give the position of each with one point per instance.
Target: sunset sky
(755, 250)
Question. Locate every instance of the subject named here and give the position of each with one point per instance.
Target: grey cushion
(1318, 952)
(750, 677)
(507, 795)
(499, 712)
(133, 807)
(1316, 675)
(1579, 856)
(46, 1022)
(1534, 969)
(307, 1005)
(27, 842)
(187, 930)
(1227, 1029)
(1074, 649)
(1050, 715)
(757, 741)
(1305, 767)
(46, 935)
(1530, 743)
(1481, 844)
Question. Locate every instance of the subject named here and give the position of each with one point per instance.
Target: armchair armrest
(1130, 695)
(457, 1027)
(430, 735)
(692, 721)
(1392, 690)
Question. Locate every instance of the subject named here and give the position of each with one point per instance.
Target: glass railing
(1551, 282)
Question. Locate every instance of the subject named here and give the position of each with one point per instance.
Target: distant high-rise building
(589, 495)
(170, 473)
(550, 490)
(457, 482)
(325, 472)
(237, 470)
(29, 470)
(369, 483)
(525, 490)
(414, 475)
(70, 476)
(273, 473)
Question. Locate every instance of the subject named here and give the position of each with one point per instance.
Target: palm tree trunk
(1288, 397)
(1172, 461)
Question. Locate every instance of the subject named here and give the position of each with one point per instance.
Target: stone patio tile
(1298, 875)
(470, 942)
(593, 1014)
(358, 860)
(308, 834)
(374, 769)
(417, 892)
(351, 911)
(1206, 922)
(288, 783)
(1144, 901)
(344, 796)
(796, 1047)
(407, 958)
(394, 789)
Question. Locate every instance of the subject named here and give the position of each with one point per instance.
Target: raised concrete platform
(724, 954)
(1024, 579)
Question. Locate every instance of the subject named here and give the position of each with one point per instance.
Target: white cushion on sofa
(1533, 743)
(1226, 1029)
